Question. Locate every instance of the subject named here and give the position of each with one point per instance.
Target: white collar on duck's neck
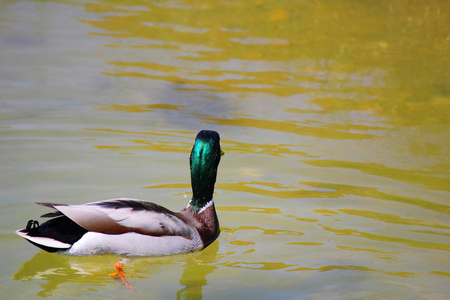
(210, 202)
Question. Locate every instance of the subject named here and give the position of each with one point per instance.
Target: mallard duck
(127, 226)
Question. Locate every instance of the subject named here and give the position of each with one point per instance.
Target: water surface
(333, 116)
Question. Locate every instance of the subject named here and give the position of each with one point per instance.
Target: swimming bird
(128, 226)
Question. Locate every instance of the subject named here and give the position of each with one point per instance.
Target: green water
(334, 117)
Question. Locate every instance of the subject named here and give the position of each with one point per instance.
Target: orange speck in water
(120, 273)
(279, 15)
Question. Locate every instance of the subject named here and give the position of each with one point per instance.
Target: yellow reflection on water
(344, 63)
(213, 80)
(186, 186)
(153, 144)
(268, 231)
(266, 266)
(326, 212)
(361, 249)
(348, 267)
(353, 268)
(138, 108)
(421, 178)
(391, 239)
(160, 133)
(305, 243)
(280, 31)
(442, 273)
(327, 190)
(261, 210)
(289, 127)
(340, 190)
(390, 218)
(241, 243)
(269, 189)
(149, 145)
(276, 149)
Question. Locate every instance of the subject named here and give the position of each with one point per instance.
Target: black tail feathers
(32, 226)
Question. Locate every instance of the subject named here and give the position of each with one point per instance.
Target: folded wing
(117, 216)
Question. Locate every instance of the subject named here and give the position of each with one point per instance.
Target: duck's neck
(204, 161)
(203, 179)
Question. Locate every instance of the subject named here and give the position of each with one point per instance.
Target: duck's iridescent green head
(204, 160)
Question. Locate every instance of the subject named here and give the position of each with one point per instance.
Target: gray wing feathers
(138, 216)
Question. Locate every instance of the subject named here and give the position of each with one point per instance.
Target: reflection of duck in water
(65, 274)
(135, 227)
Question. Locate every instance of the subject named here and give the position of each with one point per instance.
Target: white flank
(134, 244)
